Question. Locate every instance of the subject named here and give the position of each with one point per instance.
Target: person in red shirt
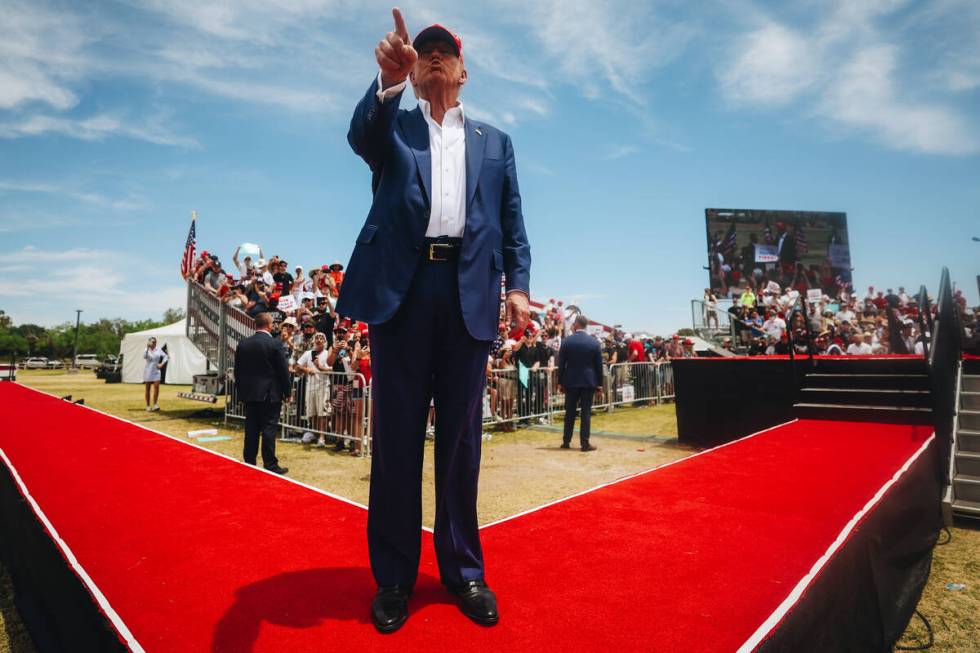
(637, 353)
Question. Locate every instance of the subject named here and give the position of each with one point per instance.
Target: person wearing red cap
(444, 226)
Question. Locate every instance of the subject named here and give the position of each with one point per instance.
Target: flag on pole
(801, 245)
(187, 261)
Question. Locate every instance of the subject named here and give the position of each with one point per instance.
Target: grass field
(520, 470)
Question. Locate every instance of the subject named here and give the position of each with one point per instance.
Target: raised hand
(395, 53)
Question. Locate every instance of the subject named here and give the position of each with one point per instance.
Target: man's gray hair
(581, 321)
(263, 320)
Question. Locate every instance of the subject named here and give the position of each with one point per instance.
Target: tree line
(101, 337)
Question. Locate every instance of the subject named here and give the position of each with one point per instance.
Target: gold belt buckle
(432, 254)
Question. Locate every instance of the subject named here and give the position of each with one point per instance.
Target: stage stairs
(966, 449)
(866, 389)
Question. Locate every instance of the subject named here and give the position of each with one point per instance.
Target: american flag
(767, 234)
(187, 261)
(728, 245)
(801, 245)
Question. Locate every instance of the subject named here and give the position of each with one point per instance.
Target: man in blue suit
(579, 374)
(444, 226)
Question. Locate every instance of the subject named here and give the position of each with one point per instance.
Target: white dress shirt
(447, 148)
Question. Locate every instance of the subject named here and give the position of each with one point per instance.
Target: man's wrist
(519, 291)
(388, 88)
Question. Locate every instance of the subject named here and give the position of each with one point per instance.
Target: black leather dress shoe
(389, 609)
(278, 470)
(477, 602)
(589, 447)
(565, 445)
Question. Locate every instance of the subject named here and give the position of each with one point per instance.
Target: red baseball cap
(439, 33)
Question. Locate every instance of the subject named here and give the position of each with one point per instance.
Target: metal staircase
(871, 389)
(216, 329)
(964, 497)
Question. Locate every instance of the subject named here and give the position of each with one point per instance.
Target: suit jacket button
(418, 248)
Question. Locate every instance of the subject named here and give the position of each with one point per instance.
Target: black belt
(441, 249)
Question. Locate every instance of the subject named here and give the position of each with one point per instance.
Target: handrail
(943, 362)
(925, 320)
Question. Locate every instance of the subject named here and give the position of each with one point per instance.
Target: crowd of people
(771, 320)
(324, 347)
(330, 355)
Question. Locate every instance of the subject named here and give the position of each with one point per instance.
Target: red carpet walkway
(196, 552)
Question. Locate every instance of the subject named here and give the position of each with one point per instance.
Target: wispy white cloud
(851, 68)
(619, 151)
(772, 65)
(130, 202)
(94, 128)
(92, 279)
(41, 56)
(14, 221)
(864, 96)
(603, 47)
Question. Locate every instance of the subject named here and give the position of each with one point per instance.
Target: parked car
(54, 364)
(87, 361)
(36, 363)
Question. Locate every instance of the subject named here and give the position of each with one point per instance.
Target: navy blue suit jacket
(580, 361)
(395, 144)
(261, 372)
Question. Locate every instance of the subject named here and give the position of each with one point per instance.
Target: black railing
(943, 363)
(925, 320)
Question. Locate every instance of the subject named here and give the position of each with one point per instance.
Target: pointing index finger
(400, 28)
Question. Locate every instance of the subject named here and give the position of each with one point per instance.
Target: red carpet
(196, 552)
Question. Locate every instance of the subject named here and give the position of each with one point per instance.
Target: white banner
(814, 295)
(766, 253)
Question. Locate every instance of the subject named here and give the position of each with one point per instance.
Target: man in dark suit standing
(579, 374)
(445, 224)
(262, 381)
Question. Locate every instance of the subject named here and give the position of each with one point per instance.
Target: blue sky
(628, 119)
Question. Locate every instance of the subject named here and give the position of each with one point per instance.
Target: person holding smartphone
(155, 359)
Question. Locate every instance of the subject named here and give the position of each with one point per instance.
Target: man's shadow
(305, 599)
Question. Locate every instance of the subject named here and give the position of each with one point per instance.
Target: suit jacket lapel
(476, 144)
(417, 132)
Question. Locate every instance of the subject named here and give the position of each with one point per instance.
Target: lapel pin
(478, 131)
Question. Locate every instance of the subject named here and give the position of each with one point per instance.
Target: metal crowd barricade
(665, 382)
(510, 399)
(334, 405)
(337, 405)
(632, 383)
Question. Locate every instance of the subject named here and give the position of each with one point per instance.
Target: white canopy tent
(186, 360)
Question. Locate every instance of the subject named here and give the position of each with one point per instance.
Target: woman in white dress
(314, 364)
(155, 360)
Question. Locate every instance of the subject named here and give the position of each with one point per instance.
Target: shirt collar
(454, 117)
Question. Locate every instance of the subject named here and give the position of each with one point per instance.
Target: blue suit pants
(425, 352)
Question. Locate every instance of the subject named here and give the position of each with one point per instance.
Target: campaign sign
(287, 304)
(766, 253)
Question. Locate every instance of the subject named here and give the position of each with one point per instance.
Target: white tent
(186, 360)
